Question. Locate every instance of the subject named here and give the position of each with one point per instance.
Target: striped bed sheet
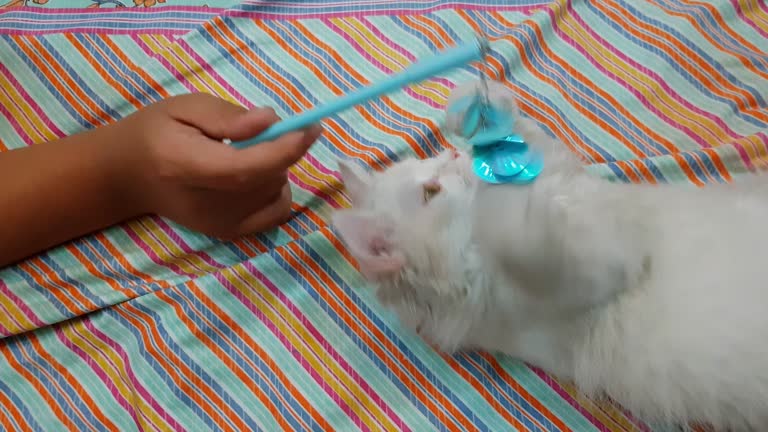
(148, 326)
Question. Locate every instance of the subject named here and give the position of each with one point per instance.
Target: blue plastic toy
(499, 155)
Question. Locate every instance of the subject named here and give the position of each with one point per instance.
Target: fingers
(218, 119)
(229, 168)
(271, 216)
(277, 155)
(216, 164)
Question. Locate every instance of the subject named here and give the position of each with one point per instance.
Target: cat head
(409, 231)
(411, 201)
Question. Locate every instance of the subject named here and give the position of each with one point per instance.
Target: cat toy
(421, 70)
(498, 154)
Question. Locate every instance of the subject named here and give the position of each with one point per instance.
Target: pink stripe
(166, 64)
(25, 138)
(30, 102)
(134, 382)
(577, 406)
(102, 31)
(107, 380)
(106, 11)
(497, 392)
(411, 58)
(287, 344)
(184, 45)
(264, 15)
(341, 33)
(235, 345)
(185, 247)
(8, 320)
(365, 387)
(722, 35)
(749, 21)
(152, 255)
(327, 345)
(637, 66)
(23, 308)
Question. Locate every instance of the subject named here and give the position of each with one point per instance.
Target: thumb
(218, 118)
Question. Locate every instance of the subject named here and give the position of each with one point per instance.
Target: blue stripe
(90, 27)
(113, 268)
(321, 7)
(45, 82)
(484, 372)
(36, 366)
(193, 308)
(703, 16)
(671, 33)
(590, 102)
(19, 404)
(94, 98)
(399, 122)
(155, 321)
(296, 274)
(48, 293)
(697, 167)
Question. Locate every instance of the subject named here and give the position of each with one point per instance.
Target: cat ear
(355, 180)
(370, 241)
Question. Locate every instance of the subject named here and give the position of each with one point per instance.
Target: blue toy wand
(418, 72)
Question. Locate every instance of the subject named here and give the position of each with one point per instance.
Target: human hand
(177, 166)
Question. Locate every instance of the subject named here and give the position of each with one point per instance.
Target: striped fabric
(147, 326)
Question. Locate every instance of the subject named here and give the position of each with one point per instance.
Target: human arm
(166, 159)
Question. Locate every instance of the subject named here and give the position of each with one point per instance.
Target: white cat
(654, 295)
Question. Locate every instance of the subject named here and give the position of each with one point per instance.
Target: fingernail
(316, 129)
(264, 110)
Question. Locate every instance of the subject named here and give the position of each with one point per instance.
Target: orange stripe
(592, 116)
(722, 24)
(57, 287)
(68, 87)
(626, 168)
(14, 413)
(201, 337)
(267, 76)
(90, 58)
(90, 267)
(260, 353)
(687, 59)
(175, 368)
(683, 164)
(528, 397)
(73, 382)
(119, 256)
(493, 386)
(574, 73)
(104, 356)
(412, 142)
(41, 389)
(362, 111)
(483, 391)
(123, 64)
(140, 71)
(434, 400)
(647, 174)
(670, 107)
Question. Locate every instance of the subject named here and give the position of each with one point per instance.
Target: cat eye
(431, 189)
